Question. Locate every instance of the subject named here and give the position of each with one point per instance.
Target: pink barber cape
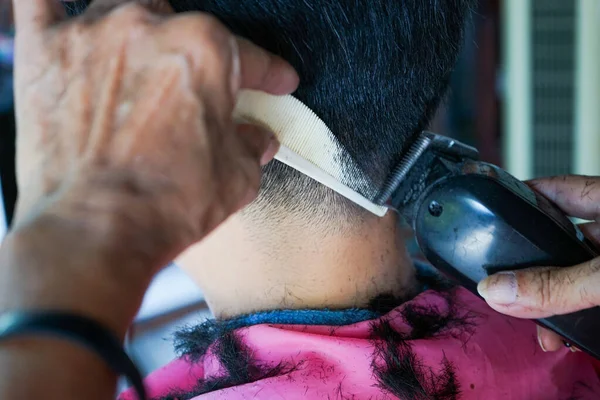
(479, 354)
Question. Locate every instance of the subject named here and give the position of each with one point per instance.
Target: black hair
(237, 359)
(373, 71)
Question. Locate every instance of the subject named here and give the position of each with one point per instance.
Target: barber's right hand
(547, 291)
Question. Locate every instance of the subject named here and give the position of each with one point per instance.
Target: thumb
(543, 292)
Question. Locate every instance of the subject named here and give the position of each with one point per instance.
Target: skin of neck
(244, 267)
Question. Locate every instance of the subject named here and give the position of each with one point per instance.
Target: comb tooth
(295, 161)
(302, 132)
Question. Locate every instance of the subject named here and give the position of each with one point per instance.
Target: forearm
(64, 275)
(136, 141)
(41, 368)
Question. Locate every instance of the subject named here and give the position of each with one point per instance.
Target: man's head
(374, 71)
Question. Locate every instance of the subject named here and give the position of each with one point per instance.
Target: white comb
(307, 144)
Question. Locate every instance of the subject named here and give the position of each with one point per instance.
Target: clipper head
(429, 158)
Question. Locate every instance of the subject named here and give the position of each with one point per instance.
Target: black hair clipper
(473, 219)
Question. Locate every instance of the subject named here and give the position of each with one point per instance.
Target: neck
(248, 269)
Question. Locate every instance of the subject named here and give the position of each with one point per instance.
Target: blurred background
(526, 93)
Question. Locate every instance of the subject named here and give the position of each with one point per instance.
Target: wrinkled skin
(126, 155)
(126, 148)
(548, 291)
(105, 106)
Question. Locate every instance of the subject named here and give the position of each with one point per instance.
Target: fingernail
(539, 337)
(271, 150)
(500, 288)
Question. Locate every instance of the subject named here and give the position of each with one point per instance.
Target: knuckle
(584, 297)
(594, 266)
(207, 21)
(588, 288)
(117, 20)
(546, 285)
(211, 34)
(210, 25)
(132, 12)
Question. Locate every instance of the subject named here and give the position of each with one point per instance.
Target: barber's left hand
(543, 292)
(126, 148)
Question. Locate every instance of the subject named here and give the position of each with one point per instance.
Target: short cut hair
(374, 71)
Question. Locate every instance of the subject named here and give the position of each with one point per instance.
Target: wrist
(113, 218)
(56, 264)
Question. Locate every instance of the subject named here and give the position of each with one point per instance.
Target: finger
(212, 54)
(33, 16)
(543, 292)
(259, 143)
(261, 70)
(257, 147)
(213, 51)
(251, 185)
(548, 340)
(591, 230)
(578, 196)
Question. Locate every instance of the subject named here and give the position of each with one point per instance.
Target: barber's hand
(127, 107)
(543, 292)
(126, 150)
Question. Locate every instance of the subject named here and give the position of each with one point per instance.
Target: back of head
(373, 70)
